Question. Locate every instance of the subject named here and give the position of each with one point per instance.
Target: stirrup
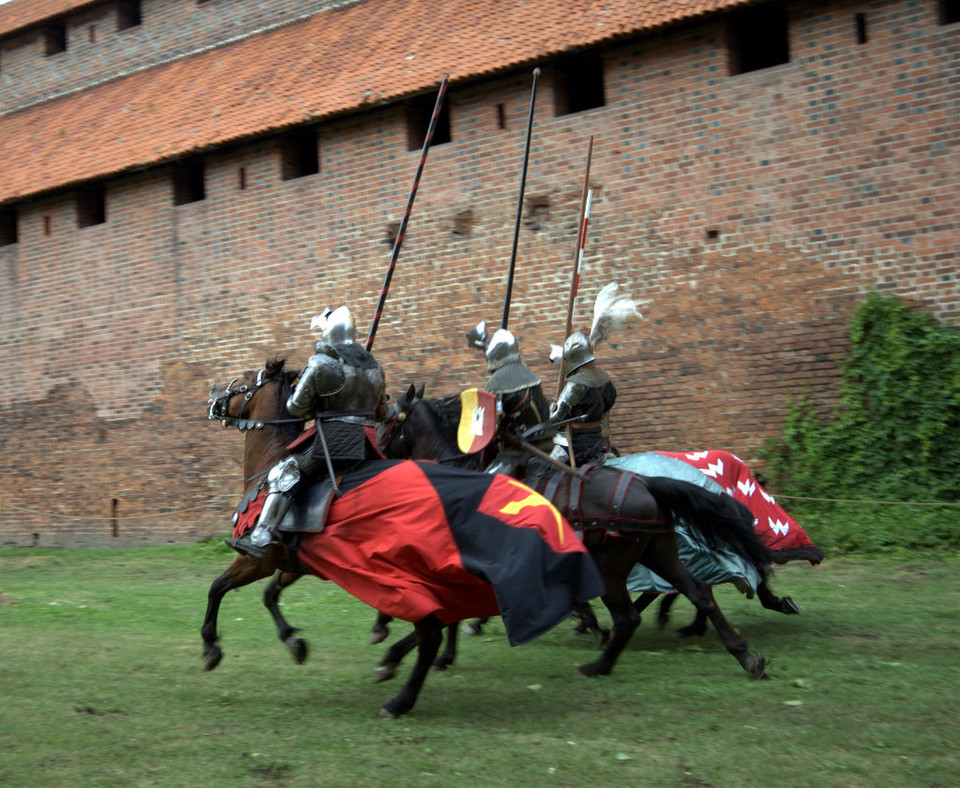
(244, 546)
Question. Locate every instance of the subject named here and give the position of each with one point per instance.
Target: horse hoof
(298, 649)
(384, 673)
(212, 657)
(392, 709)
(378, 635)
(592, 670)
(470, 630)
(755, 665)
(788, 606)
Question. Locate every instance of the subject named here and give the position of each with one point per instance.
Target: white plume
(611, 311)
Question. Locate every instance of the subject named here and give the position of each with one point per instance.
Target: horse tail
(719, 520)
(810, 553)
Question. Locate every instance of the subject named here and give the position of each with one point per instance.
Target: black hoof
(298, 649)
(384, 673)
(788, 606)
(212, 657)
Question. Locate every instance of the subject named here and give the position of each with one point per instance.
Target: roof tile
(334, 62)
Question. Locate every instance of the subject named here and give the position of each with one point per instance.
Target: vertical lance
(401, 230)
(586, 200)
(523, 181)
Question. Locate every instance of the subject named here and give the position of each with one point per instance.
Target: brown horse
(426, 569)
(625, 519)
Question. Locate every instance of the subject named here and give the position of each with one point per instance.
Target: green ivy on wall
(894, 436)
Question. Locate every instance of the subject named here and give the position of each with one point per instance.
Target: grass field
(101, 684)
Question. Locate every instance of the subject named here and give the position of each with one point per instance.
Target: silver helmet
(336, 326)
(577, 351)
(501, 349)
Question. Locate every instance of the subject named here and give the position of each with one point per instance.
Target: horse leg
(772, 602)
(445, 660)
(243, 571)
(380, 630)
(475, 627)
(429, 634)
(695, 628)
(271, 598)
(387, 668)
(588, 622)
(615, 557)
(644, 601)
(670, 568)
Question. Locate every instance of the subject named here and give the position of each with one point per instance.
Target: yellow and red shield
(478, 420)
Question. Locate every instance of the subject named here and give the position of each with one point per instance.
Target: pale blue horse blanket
(711, 566)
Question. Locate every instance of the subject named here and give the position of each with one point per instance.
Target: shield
(478, 420)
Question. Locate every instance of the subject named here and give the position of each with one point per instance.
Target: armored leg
(281, 479)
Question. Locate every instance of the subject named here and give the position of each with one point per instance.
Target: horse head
(424, 429)
(252, 401)
(395, 435)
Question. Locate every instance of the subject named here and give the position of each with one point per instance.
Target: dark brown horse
(513, 541)
(625, 519)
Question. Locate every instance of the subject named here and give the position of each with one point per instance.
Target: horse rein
(393, 428)
(219, 405)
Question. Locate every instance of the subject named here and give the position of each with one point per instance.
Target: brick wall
(748, 214)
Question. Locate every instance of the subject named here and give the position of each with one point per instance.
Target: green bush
(893, 436)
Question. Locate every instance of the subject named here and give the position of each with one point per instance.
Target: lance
(523, 181)
(586, 200)
(401, 230)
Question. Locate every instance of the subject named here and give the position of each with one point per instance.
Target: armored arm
(565, 406)
(323, 377)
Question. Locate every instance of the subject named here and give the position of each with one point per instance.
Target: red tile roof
(334, 62)
(27, 13)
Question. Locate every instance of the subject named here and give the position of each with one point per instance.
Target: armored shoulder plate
(590, 375)
(514, 376)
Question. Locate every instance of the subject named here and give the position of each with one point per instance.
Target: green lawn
(102, 684)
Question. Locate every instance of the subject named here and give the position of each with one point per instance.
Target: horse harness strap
(612, 521)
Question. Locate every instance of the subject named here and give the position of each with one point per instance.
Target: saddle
(613, 520)
(307, 513)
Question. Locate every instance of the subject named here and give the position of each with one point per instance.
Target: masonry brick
(748, 214)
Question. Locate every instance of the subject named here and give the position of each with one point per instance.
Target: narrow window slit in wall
(861, 21)
(188, 182)
(114, 505)
(501, 117)
(8, 226)
(128, 14)
(419, 113)
(949, 12)
(242, 178)
(46, 225)
(55, 38)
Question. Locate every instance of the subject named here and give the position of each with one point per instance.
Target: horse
(516, 534)
(625, 519)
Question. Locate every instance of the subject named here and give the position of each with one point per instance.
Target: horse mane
(447, 411)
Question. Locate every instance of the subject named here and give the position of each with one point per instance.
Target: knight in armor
(342, 389)
(582, 411)
(521, 405)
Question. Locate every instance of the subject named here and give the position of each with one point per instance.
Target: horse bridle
(219, 405)
(392, 424)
